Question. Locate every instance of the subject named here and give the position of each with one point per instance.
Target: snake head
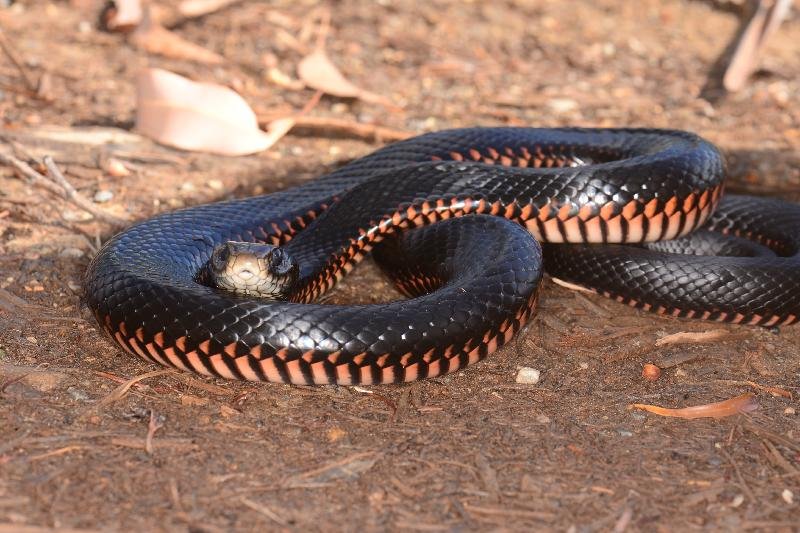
(253, 269)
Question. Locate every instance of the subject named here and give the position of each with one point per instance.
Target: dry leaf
(123, 15)
(740, 404)
(178, 112)
(155, 39)
(764, 22)
(318, 72)
(197, 8)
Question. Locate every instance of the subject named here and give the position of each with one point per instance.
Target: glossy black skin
(146, 278)
(757, 281)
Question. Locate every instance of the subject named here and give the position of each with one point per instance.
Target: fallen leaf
(318, 72)
(764, 21)
(197, 8)
(155, 39)
(178, 112)
(123, 15)
(734, 406)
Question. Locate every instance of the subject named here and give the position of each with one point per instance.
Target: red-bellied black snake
(472, 282)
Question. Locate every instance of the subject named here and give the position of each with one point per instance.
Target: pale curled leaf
(124, 15)
(198, 8)
(744, 403)
(317, 71)
(155, 39)
(764, 21)
(178, 112)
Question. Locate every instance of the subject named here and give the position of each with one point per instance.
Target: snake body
(472, 281)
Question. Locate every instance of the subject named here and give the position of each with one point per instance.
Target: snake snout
(253, 269)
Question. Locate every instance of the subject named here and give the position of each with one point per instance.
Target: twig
(359, 130)
(29, 83)
(76, 198)
(58, 185)
(742, 482)
(154, 425)
(694, 337)
(265, 511)
(122, 390)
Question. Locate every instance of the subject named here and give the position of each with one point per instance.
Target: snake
(231, 289)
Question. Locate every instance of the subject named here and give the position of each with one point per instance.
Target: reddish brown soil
(470, 451)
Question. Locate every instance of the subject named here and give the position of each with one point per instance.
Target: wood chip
(693, 337)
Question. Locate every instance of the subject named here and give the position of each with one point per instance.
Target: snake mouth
(253, 269)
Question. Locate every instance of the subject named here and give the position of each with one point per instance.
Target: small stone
(335, 433)
(216, 185)
(528, 376)
(737, 501)
(651, 372)
(790, 411)
(584, 366)
(117, 168)
(32, 339)
(103, 196)
(542, 419)
(75, 216)
(71, 253)
(562, 105)
(78, 394)
(788, 496)
(187, 186)
(624, 433)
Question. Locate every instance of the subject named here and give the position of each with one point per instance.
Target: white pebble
(71, 253)
(103, 196)
(788, 496)
(737, 500)
(790, 411)
(562, 105)
(217, 185)
(528, 375)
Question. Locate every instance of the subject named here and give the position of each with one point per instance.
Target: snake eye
(220, 257)
(280, 262)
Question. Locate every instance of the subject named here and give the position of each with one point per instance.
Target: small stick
(360, 130)
(76, 198)
(154, 425)
(4, 45)
(57, 184)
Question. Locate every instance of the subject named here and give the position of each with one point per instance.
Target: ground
(470, 451)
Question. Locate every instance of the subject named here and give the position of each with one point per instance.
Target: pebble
(216, 185)
(562, 105)
(542, 419)
(71, 253)
(117, 168)
(788, 496)
(78, 394)
(790, 411)
(528, 375)
(103, 196)
(737, 501)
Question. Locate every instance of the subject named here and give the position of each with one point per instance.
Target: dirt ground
(469, 451)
